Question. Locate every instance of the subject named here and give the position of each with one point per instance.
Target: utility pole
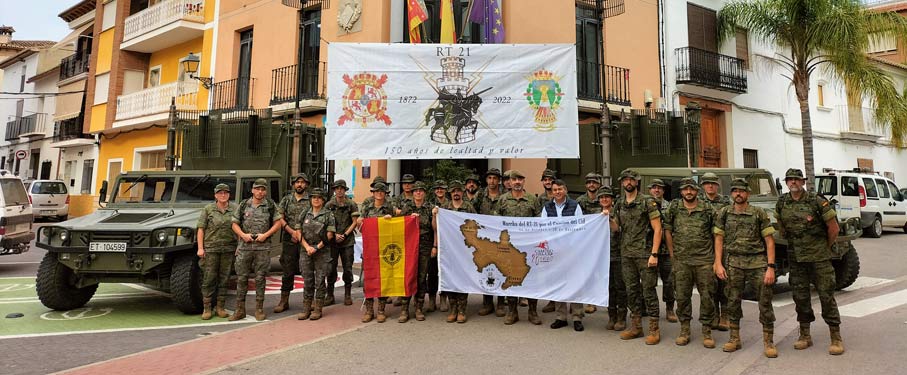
(170, 158)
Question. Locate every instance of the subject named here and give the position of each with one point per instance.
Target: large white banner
(440, 101)
(563, 259)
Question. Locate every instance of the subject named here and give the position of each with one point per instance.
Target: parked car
(15, 216)
(50, 198)
(873, 198)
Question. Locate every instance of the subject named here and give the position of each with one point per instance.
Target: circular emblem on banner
(391, 254)
(21, 154)
(364, 100)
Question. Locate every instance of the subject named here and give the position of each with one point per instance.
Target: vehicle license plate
(110, 247)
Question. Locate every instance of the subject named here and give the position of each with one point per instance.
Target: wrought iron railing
(609, 8)
(74, 65)
(69, 129)
(307, 4)
(157, 99)
(617, 82)
(235, 93)
(27, 125)
(710, 69)
(312, 85)
(161, 14)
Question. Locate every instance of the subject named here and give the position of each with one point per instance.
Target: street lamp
(190, 65)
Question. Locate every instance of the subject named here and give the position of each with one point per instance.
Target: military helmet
(339, 183)
(688, 182)
(741, 184)
(317, 193)
(379, 186)
(794, 173)
(419, 185)
(260, 183)
(604, 191)
(592, 176)
(299, 176)
(493, 171)
(628, 173)
(222, 187)
(408, 179)
(549, 173)
(473, 178)
(657, 182)
(516, 174)
(377, 180)
(455, 185)
(709, 177)
(440, 184)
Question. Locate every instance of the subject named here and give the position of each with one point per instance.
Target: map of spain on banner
(440, 101)
(563, 259)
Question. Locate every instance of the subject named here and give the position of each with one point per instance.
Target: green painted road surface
(115, 307)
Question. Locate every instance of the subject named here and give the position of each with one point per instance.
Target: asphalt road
(875, 318)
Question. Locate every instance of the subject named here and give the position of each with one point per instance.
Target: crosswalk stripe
(875, 304)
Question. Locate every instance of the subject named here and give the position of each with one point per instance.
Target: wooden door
(709, 140)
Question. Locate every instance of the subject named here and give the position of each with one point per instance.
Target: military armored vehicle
(765, 193)
(146, 234)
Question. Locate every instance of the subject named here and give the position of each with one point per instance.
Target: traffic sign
(21, 154)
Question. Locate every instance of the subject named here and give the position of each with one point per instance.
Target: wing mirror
(103, 197)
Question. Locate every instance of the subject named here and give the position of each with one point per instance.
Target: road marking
(875, 304)
(19, 263)
(98, 297)
(248, 319)
(785, 299)
(15, 287)
(80, 313)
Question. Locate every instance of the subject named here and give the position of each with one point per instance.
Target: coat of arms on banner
(544, 96)
(364, 100)
(453, 117)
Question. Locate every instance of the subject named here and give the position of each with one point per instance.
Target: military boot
(240, 312)
(369, 313)
(768, 341)
(432, 303)
(452, 313)
(723, 324)
(654, 336)
(284, 303)
(420, 315)
(707, 340)
(444, 304)
(259, 310)
(487, 305)
(533, 312)
(206, 314)
(316, 309)
(837, 343)
(670, 316)
(329, 298)
(612, 319)
(805, 340)
(634, 330)
(381, 316)
(306, 309)
(398, 301)
(590, 309)
(461, 311)
(347, 298)
(219, 309)
(733, 343)
(404, 312)
(500, 309)
(549, 307)
(621, 322)
(512, 316)
(684, 337)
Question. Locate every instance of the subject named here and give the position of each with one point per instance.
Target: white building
(750, 115)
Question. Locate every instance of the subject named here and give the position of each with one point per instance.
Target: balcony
(164, 24)
(153, 104)
(312, 87)
(74, 65)
(710, 70)
(859, 123)
(232, 94)
(617, 84)
(69, 133)
(25, 127)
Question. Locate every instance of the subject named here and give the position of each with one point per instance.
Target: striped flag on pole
(390, 256)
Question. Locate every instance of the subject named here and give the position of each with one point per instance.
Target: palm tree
(832, 35)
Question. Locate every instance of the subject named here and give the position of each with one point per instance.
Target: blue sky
(35, 19)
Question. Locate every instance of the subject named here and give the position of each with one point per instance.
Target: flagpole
(466, 19)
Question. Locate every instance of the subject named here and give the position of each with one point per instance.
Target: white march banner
(442, 101)
(563, 259)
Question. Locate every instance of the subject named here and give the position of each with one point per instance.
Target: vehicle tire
(56, 285)
(874, 230)
(186, 284)
(847, 268)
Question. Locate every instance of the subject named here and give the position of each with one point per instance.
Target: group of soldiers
(702, 239)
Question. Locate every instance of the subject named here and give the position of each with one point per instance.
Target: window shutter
(743, 47)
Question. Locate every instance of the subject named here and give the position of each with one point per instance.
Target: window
(431, 28)
(879, 43)
(702, 28)
(895, 193)
(244, 70)
(743, 47)
(13, 191)
(154, 75)
(144, 189)
(827, 185)
(152, 160)
(311, 52)
(101, 86)
(850, 186)
(110, 15)
(750, 158)
(87, 170)
(22, 80)
(870, 187)
(588, 53)
(133, 81)
(201, 188)
(48, 188)
(820, 94)
(883, 188)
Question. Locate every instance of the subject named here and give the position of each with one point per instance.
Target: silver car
(49, 198)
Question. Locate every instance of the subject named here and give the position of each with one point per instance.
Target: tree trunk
(808, 157)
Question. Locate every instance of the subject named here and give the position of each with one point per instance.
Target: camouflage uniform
(426, 243)
(720, 298)
(398, 201)
(315, 228)
(344, 215)
(635, 245)
(617, 289)
(525, 206)
(254, 256)
(486, 205)
(665, 267)
(292, 208)
(367, 210)
(458, 300)
(220, 248)
(803, 222)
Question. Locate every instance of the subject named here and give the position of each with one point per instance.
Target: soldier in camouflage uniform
(688, 224)
(406, 183)
(486, 204)
(639, 222)
(256, 219)
(370, 200)
(471, 192)
(457, 203)
(617, 290)
(711, 187)
(216, 248)
(519, 203)
(439, 193)
(345, 213)
(589, 203)
(657, 190)
(440, 199)
(292, 205)
(428, 248)
(745, 232)
(318, 227)
(810, 225)
(548, 177)
(379, 207)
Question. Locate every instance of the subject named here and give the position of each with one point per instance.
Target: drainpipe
(170, 159)
(606, 112)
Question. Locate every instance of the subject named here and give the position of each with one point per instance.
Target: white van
(875, 199)
(15, 216)
(49, 198)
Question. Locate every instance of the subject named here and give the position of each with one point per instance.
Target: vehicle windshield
(761, 185)
(13, 191)
(160, 189)
(52, 187)
(826, 185)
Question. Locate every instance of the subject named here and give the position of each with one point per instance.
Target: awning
(70, 39)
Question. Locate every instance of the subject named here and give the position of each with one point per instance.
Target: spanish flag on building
(390, 256)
